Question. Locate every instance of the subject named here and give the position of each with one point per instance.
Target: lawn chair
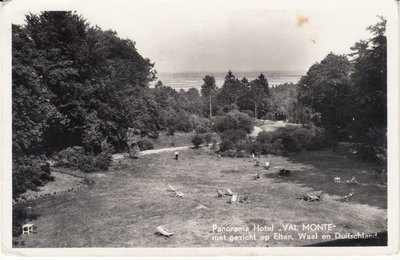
(352, 181)
(179, 194)
(348, 197)
(219, 192)
(312, 197)
(228, 192)
(267, 165)
(257, 176)
(244, 198)
(172, 188)
(234, 199)
(161, 231)
(336, 180)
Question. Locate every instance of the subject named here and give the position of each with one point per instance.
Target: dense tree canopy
(350, 96)
(369, 79)
(326, 89)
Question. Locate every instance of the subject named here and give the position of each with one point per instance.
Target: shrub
(371, 153)
(28, 173)
(77, 159)
(253, 147)
(295, 139)
(264, 137)
(199, 124)
(318, 140)
(197, 140)
(103, 161)
(241, 153)
(233, 135)
(145, 144)
(291, 139)
(276, 147)
(234, 153)
(179, 121)
(153, 134)
(214, 145)
(226, 145)
(234, 120)
(207, 138)
(171, 131)
(69, 157)
(229, 153)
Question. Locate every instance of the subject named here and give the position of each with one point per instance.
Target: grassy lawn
(125, 205)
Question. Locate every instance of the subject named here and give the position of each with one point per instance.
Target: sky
(217, 35)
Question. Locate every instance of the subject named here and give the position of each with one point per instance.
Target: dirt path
(256, 131)
(170, 149)
(119, 156)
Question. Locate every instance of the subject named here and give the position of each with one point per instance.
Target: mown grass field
(125, 204)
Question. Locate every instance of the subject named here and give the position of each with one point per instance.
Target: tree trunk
(210, 107)
(255, 110)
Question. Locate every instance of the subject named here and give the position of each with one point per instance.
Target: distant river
(186, 80)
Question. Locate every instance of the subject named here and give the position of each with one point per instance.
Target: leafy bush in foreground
(77, 158)
(291, 139)
(207, 138)
(233, 135)
(234, 120)
(197, 140)
(226, 145)
(28, 173)
(145, 144)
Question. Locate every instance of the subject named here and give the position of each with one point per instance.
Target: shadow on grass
(321, 169)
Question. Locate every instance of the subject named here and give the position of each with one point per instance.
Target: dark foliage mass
(349, 96)
(197, 140)
(78, 159)
(234, 120)
(75, 85)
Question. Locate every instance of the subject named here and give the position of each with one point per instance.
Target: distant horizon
(300, 71)
(187, 80)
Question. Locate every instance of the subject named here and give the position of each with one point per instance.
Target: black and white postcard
(199, 127)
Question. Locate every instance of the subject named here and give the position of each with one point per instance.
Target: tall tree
(231, 89)
(369, 59)
(259, 92)
(208, 89)
(326, 89)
